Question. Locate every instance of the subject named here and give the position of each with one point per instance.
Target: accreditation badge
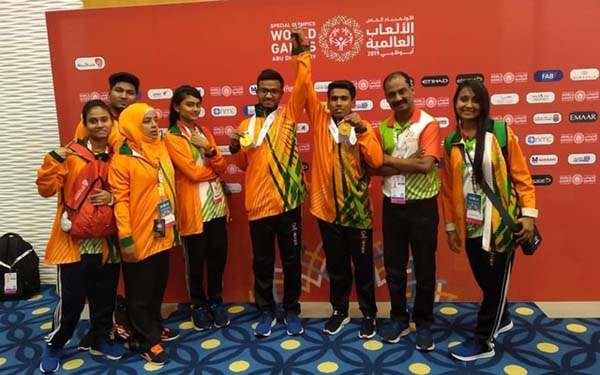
(474, 208)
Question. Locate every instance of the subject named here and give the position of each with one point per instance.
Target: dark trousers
(414, 224)
(76, 281)
(207, 249)
(492, 278)
(145, 284)
(343, 245)
(287, 227)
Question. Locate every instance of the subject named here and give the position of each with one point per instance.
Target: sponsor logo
(232, 169)
(540, 97)
(505, 99)
(590, 74)
(577, 179)
(90, 63)
(200, 90)
(223, 111)
(435, 81)
(509, 119)
(469, 77)
(228, 130)
(305, 166)
(430, 102)
(252, 89)
(547, 159)
(232, 188)
(547, 118)
(249, 109)
(302, 128)
(383, 104)
(587, 116)
(156, 94)
(509, 77)
(542, 179)
(548, 75)
(363, 84)
(226, 91)
(363, 105)
(443, 121)
(321, 86)
(340, 38)
(224, 150)
(539, 139)
(304, 147)
(582, 158)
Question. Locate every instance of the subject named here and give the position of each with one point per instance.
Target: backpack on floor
(19, 266)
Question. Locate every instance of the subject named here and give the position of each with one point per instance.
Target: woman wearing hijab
(475, 157)
(142, 178)
(202, 207)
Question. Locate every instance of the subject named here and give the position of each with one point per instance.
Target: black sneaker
(220, 316)
(86, 342)
(394, 331)
(336, 322)
(156, 355)
(367, 328)
(168, 334)
(200, 319)
(424, 340)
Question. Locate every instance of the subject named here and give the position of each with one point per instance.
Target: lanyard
(470, 164)
(265, 128)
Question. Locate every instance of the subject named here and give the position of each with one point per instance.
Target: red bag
(88, 220)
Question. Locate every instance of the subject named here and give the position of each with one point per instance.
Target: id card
(10, 283)
(159, 228)
(217, 191)
(398, 190)
(474, 208)
(166, 212)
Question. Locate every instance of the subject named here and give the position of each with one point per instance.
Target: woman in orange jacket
(143, 183)
(474, 158)
(86, 268)
(201, 207)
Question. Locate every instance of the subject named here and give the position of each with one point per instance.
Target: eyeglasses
(264, 91)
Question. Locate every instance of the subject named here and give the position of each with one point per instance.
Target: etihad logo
(223, 111)
(586, 116)
(582, 158)
(435, 81)
(539, 139)
(540, 97)
(157, 94)
(547, 118)
(505, 99)
(443, 121)
(469, 77)
(340, 38)
(548, 75)
(542, 179)
(590, 74)
(363, 105)
(544, 159)
(90, 63)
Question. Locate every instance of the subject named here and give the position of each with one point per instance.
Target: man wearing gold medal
(344, 145)
(266, 147)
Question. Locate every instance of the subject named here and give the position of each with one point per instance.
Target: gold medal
(344, 128)
(246, 140)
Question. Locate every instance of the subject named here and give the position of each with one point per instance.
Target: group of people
(167, 192)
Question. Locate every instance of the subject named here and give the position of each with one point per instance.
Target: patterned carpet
(536, 345)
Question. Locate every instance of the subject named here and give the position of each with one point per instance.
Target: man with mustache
(411, 146)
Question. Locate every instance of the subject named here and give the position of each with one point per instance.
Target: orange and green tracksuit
(188, 174)
(274, 179)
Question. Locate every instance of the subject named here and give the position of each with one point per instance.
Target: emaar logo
(582, 159)
(539, 139)
(223, 111)
(584, 116)
(547, 159)
(548, 75)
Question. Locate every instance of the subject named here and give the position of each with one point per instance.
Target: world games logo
(341, 38)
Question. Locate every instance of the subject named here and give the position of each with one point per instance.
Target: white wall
(28, 127)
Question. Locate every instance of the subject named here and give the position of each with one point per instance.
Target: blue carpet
(536, 345)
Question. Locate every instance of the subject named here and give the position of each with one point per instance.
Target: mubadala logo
(548, 75)
(90, 63)
(223, 111)
(539, 139)
(547, 118)
(505, 99)
(156, 94)
(587, 116)
(542, 179)
(443, 121)
(543, 159)
(590, 74)
(435, 81)
(321, 86)
(363, 105)
(540, 97)
(582, 158)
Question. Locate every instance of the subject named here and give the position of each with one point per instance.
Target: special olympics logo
(341, 38)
